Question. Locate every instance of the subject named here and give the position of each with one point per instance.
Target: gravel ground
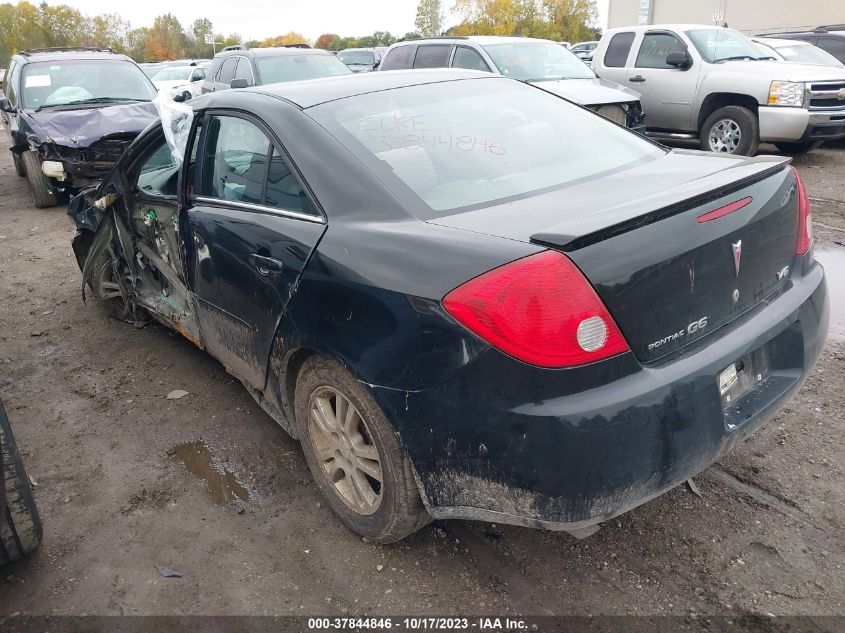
(87, 398)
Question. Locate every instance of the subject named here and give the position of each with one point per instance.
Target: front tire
(42, 191)
(731, 130)
(797, 148)
(354, 454)
(19, 168)
(20, 525)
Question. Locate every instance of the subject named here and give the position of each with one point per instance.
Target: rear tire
(384, 513)
(797, 148)
(39, 184)
(19, 168)
(20, 525)
(731, 130)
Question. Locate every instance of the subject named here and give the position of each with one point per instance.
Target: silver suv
(714, 84)
(543, 63)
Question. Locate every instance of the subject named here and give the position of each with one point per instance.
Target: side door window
(655, 48)
(432, 56)
(833, 45)
(198, 75)
(400, 58)
(158, 173)
(244, 71)
(618, 48)
(235, 161)
(11, 84)
(466, 57)
(227, 71)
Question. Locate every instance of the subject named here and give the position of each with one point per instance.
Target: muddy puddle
(833, 261)
(221, 483)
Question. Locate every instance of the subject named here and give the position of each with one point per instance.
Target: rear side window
(227, 71)
(618, 49)
(834, 46)
(240, 164)
(11, 82)
(655, 48)
(432, 56)
(399, 58)
(466, 57)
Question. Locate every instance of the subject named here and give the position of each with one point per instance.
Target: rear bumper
(501, 441)
(797, 124)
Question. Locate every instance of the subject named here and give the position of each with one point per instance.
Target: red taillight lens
(805, 217)
(540, 310)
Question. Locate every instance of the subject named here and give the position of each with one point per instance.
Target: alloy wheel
(345, 450)
(725, 136)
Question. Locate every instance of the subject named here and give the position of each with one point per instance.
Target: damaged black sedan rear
(70, 114)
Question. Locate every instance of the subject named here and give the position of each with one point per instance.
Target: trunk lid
(667, 277)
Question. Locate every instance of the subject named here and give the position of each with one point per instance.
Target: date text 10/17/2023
(422, 623)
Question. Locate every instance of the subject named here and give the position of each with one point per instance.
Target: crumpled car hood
(82, 128)
(589, 92)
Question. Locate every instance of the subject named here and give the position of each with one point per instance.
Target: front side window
(243, 71)
(159, 172)
(66, 82)
(11, 80)
(722, 45)
(198, 75)
(537, 61)
(445, 147)
(240, 164)
(656, 47)
(432, 56)
(227, 71)
(618, 49)
(465, 57)
(280, 68)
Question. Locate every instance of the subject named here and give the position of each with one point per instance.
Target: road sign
(209, 38)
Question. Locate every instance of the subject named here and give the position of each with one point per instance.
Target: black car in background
(459, 307)
(828, 38)
(240, 66)
(20, 525)
(70, 114)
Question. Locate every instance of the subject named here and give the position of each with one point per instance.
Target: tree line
(26, 25)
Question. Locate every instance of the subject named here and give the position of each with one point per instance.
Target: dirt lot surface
(87, 398)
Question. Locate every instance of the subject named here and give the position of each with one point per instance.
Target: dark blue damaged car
(465, 296)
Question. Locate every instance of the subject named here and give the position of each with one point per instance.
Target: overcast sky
(257, 19)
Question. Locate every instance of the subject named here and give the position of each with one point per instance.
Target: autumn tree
(429, 20)
(326, 40)
(292, 37)
(108, 30)
(553, 19)
(166, 39)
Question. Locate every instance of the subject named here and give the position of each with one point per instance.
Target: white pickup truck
(713, 84)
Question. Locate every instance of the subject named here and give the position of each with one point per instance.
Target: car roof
(478, 39)
(305, 94)
(185, 68)
(44, 55)
(358, 48)
(640, 28)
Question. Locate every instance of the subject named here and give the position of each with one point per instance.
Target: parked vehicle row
(715, 85)
(362, 60)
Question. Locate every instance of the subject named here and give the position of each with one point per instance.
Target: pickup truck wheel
(19, 168)
(797, 148)
(42, 191)
(354, 454)
(731, 130)
(20, 525)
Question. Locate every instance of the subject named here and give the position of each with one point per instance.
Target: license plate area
(742, 376)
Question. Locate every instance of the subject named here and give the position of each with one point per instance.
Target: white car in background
(795, 51)
(186, 77)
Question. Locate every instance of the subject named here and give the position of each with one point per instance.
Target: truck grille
(827, 95)
(615, 113)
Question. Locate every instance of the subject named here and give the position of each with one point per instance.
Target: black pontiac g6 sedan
(467, 297)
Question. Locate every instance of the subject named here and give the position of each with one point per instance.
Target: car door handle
(637, 79)
(264, 265)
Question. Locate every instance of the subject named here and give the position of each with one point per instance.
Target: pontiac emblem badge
(735, 295)
(737, 248)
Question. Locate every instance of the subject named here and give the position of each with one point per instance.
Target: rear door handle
(637, 79)
(264, 265)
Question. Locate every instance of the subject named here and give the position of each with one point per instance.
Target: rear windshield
(357, 58)
(448, 147)
(297, 67)
(66, 82)
(537, 61)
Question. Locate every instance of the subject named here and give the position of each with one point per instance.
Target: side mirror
(682, 61)
(240, 83)
(5, 106)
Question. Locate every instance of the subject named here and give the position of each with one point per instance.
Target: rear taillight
(540, 310)
(805, 217)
